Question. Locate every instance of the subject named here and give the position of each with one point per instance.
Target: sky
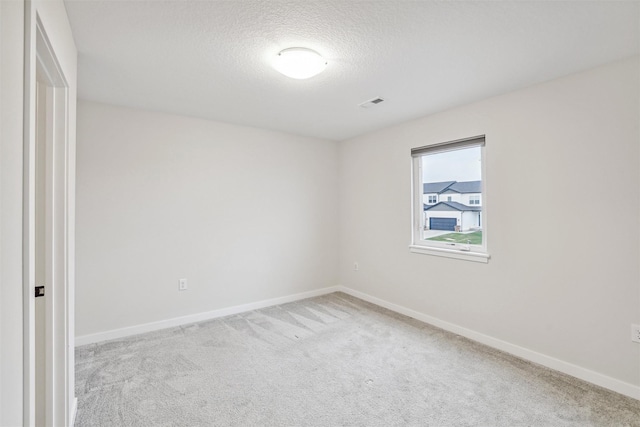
(458, 165)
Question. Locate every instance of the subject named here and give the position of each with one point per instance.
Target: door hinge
(39, 291)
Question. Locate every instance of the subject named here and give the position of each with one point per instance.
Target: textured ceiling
(211, 59)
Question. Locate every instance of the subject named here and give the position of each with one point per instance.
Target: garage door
(442, 224)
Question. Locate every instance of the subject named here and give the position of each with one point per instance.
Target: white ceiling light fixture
(299, 63)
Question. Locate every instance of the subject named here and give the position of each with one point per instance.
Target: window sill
(450, 253)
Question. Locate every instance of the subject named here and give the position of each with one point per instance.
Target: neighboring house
(452, 205)
(431, 190)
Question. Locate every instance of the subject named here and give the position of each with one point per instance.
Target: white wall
(568, 292)
(11, 94)
(455, 197)
(243, 214)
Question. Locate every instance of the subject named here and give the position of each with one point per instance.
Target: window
(453, 229)
(432, 199)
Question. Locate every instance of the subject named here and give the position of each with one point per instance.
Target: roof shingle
(452, 206)
(436, 187)
(466, 187)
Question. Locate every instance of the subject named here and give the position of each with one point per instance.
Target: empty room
(319, 213)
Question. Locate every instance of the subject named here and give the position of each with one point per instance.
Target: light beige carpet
(327, 361)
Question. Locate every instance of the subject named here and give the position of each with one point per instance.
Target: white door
(48, 228)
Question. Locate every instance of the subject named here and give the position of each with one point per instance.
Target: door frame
(42, 59)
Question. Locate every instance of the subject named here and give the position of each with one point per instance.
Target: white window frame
(435, 199)
(477, 253)
(474, 200)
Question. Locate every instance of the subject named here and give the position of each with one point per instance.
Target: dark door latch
(39, 291)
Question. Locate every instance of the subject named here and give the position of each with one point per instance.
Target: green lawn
(474, 238)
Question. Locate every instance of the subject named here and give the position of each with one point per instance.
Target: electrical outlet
(356, 267)
(182, 285)
(635, 333)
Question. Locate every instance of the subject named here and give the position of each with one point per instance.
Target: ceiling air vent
(370, 103)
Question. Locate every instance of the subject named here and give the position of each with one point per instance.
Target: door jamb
(40, 53)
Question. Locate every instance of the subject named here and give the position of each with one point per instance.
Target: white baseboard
(596, 378)
(198, 317)
(521, 352)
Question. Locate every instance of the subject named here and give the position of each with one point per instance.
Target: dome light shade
(299, 63)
